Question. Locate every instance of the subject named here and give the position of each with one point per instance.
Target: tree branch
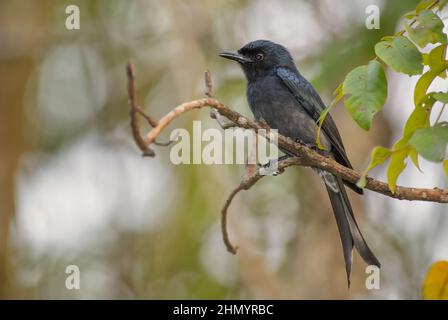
(314, 159)
(246, 184)
(304, 156)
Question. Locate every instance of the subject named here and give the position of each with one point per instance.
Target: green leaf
(409, 15)
(419, 118)
(401, 55)
(378, 156)
(367, 87)
(423, 5)
(428, 30)
(436, 60)
(413, 155)
(440, 96)
(337, 96)
(445, 167)
(423, 84)
(387, 38)
(396, 167)
(431, 142)
(362, 181)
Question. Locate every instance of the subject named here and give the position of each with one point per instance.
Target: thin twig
(135, 108)
(214, 114)
(167, 143)
(144, 147)
(246, 184)
(208, 84)
(440, 113)
(150, 120)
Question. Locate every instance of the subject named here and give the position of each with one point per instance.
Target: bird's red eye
(259, 56)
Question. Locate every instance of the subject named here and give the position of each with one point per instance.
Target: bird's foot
(312, 146)
(271, 167)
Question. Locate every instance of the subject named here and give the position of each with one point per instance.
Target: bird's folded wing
(308, 99)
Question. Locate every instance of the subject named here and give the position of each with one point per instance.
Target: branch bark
(313, 158)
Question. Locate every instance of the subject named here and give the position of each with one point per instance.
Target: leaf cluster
(364, 91)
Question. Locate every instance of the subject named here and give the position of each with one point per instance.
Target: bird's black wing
(308, 98)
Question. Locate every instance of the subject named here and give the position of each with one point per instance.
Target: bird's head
(261, 57)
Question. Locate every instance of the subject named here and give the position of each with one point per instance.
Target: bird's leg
(312, 146)
(267, 168)
(273, 161)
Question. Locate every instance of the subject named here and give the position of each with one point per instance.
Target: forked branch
(305, 156)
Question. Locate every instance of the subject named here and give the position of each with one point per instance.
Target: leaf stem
(440, 113)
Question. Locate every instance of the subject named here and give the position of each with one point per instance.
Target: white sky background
(66, 200)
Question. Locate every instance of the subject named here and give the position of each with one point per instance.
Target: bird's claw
(268, 168)
(312, 146)
(277, 172)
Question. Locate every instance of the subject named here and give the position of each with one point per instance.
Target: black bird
(278, 94)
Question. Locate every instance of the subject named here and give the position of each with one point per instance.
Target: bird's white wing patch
(329, 179)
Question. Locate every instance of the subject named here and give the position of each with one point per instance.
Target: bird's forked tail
(349, 231)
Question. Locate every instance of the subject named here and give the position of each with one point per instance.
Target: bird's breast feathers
(270, 100)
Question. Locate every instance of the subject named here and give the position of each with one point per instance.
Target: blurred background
(74, 189)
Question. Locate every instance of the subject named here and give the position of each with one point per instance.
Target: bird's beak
(235, 56)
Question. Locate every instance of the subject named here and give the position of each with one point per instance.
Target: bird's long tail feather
(349, 231)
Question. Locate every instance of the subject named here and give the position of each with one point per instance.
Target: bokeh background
(75, 190)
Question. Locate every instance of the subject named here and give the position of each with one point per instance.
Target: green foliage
(445, 167)
(338, 94)
(422, 86)
(378, 156)
(435, 60)
(431, 142)
(365, 90)
(424, 4)
(396, 166)
(428, 30)
(441, 96)
(419, 118)
(401, 55)
(413, 155)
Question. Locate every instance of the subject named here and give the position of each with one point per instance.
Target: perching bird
(278, 94)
